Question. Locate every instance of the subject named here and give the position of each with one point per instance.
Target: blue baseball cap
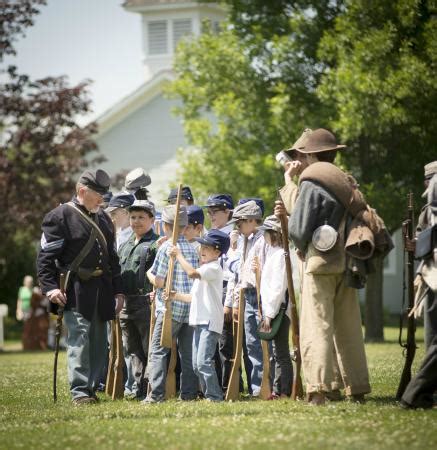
(217, 239)
(120, 201)
(195, 215)
(185, 193)
(107, 197)
(223, 201)
(257, 200)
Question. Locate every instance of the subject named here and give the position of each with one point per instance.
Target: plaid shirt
(181, 282)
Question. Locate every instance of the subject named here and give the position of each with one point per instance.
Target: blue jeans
(86, 352)
(159, 356)
(204, 348)
(253, 343)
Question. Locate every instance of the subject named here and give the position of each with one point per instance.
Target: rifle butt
(265, 390)
(118, 387)
(297, 387)
(233, 390)
(170, 381)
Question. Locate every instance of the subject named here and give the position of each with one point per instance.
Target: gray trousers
(86, 352)
(159, 361)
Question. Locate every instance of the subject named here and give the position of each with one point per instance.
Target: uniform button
(100, 260)
(101, 254)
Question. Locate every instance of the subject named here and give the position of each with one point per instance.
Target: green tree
(41, 148)
(248, 92)
(364, 69)
(380, 88)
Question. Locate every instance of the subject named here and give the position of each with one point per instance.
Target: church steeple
(165, 22)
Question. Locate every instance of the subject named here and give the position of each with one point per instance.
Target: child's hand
(255, 264)
(173, 251)
(171, 296)
(152, 296)
(266, 326)
(234, 238)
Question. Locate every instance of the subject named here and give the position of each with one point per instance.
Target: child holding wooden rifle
(274, 299)
(206, 313)
(180, 312)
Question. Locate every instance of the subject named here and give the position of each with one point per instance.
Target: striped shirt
(181, 282)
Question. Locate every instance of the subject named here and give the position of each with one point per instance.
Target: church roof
(131, 103)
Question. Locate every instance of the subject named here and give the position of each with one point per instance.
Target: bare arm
(156, 281)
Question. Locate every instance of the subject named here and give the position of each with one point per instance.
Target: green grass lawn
(29, 419)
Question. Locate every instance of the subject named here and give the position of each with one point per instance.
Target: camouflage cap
(248, 210)
(169, 214)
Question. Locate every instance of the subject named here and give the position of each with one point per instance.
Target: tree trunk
(373, 311)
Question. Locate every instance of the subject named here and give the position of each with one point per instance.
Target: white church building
(141, 130)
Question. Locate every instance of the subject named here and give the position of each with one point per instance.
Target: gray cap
(169, 215)
(146, 205)
(248, 210)
(271, 223)
(136, 179)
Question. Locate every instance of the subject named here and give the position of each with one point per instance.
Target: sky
(85, 39)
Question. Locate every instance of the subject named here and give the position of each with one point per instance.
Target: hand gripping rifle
(410, 345)
(297, 389)
(58, 332)
(265, 391)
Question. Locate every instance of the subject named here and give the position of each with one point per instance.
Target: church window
(181, 28)
(157, 37)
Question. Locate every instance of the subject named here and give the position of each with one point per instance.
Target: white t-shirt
(206, 302)
(274, 282)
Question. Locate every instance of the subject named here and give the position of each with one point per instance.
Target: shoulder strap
(145, 247)
(84, 252)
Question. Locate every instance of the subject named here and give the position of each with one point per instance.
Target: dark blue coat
(65, 233)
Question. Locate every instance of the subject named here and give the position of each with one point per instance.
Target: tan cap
(169, 215)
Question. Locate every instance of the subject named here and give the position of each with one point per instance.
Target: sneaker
(150, 401)
(83, 401)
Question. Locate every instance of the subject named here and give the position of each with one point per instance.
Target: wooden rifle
(297, 389)
(410, 345)
(166, 333)
(115, 377)
(233, 390)
(265, 390)
(151, 329)
(58, 332)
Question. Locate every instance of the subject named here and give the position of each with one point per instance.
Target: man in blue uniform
(78, 240)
